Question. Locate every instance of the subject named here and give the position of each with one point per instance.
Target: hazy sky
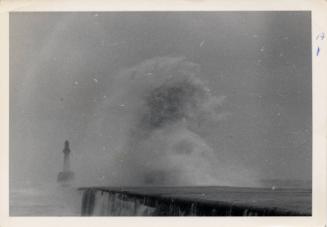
(62, 66)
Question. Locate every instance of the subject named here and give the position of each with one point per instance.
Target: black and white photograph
(160, 113)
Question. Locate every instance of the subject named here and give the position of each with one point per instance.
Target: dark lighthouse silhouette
(66, 175)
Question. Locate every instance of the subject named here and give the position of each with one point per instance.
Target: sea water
(65, 200)
(44, 200)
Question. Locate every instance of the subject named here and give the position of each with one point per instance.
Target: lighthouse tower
(66, 175)
(66, 157)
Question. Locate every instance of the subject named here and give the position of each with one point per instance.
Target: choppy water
(45, 200)
(56, 200)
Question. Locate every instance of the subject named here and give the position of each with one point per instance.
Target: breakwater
(102, 201)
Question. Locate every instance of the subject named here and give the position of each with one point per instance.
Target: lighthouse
(66, 152)
(66, 175)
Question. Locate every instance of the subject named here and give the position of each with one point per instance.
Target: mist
(158, 107)
(161, 98)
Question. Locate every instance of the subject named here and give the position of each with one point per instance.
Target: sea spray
(152, 126)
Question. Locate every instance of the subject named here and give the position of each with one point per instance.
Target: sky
(70, 79)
